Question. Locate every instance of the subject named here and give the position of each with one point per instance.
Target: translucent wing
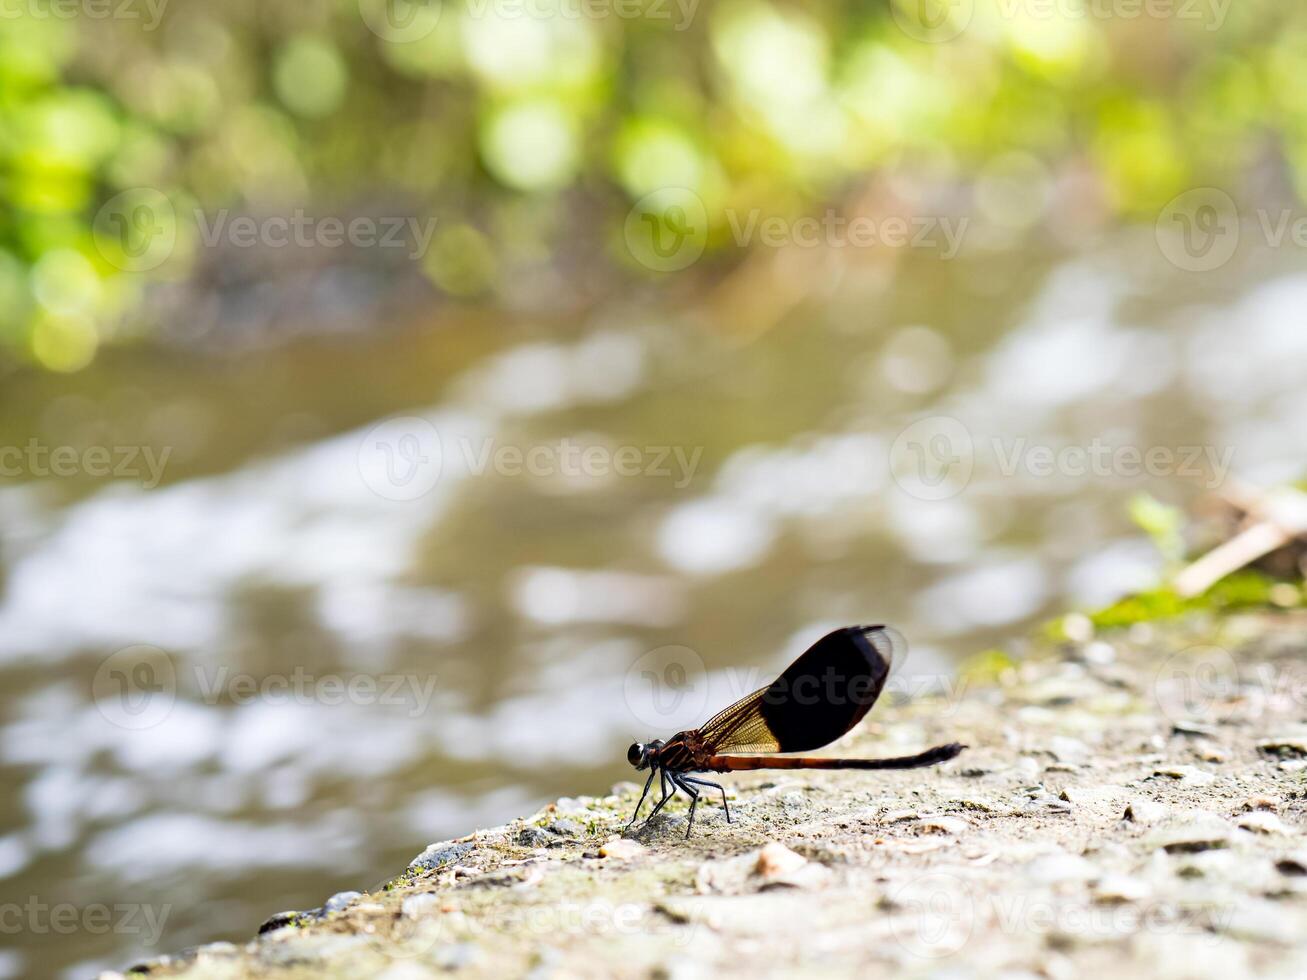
(740, 728)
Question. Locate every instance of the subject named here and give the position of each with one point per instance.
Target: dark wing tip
(885, 640)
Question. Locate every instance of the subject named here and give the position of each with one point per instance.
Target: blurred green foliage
(1247, 588)
(1164, 525)
(508, 118)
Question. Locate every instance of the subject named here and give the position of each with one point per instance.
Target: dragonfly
(817, 699)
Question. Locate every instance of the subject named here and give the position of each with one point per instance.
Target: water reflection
(558, 538)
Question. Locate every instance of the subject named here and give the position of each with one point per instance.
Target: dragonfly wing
(740, 728)
(818, 698)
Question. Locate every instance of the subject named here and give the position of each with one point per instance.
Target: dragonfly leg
(647, 783)
(666, 796)
(694, 801)
(717, 786)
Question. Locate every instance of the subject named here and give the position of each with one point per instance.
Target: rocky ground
(1131, 803)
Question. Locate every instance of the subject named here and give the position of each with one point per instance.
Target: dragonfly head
(639, 754)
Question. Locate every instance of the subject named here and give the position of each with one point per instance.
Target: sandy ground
(1129, 805)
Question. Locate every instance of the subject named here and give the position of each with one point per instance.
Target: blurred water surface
(412, 582)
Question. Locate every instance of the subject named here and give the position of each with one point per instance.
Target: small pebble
(281, 920)
(1078, 627)
(776, 859)
(439, 854)
(1191, 833)
(1271, 803)
(1294, 865)
(535, 837)
(1145, 811)
(1115, 889)
(899, 816)
(1041, 799)
(944, 825)
(622, 849)
(981, 806)
(1285, 747)
(340, 901)
(1190, 727)
(1070, 750)
(1189, 775)
(416, 906)
(1091, 794)
(573, 804)
(1261, 822)
(1099, 653)
(1258, 921)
